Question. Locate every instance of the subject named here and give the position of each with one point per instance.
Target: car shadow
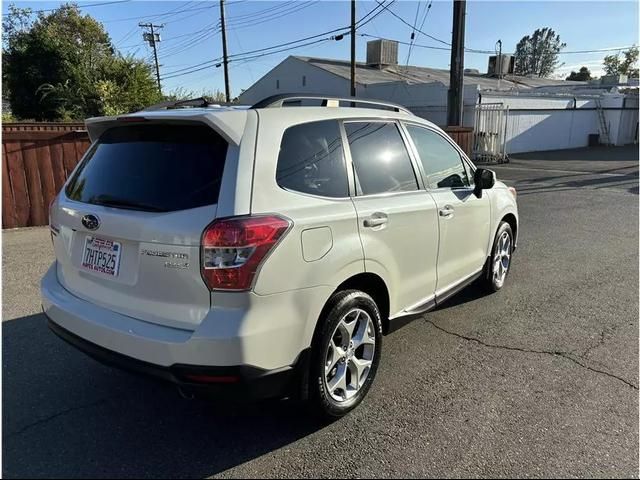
(65, 415)
(471, 293)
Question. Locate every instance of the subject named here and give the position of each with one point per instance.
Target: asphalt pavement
(538, 380)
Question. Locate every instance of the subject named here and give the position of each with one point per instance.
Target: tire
(499, 264)
(339, 356)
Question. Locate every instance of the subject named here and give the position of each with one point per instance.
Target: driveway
(540, 379)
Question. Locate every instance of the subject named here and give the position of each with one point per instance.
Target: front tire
(500, 261)
(345, 353)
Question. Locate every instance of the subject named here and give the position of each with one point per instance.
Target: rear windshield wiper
(109, 201)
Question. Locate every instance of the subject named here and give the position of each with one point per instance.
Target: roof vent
(382, 52)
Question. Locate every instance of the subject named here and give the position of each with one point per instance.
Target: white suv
(260, 252)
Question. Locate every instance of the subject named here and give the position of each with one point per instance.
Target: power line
(274, 16)
(408, 24)
(262, 12)
(274, 49)
(79, 6)
(157, 16)
(413, 34)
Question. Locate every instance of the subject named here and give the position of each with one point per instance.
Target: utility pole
(456, 77)
(353, 48)
(499, 62)
(152, 37)
(225, 62)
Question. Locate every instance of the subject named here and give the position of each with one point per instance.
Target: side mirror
(483, 179)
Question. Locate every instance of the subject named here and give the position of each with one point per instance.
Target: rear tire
(345, 353)
(499, 264)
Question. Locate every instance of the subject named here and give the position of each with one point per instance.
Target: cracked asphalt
(538, 380)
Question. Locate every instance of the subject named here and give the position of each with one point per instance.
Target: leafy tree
(537, 54)
(62, 65)
(614, 65)
(581, 76)
(180, 93)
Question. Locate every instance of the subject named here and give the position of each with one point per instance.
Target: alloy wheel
(349, 355)
(502, 258)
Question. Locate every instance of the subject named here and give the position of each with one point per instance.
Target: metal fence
(490, 133)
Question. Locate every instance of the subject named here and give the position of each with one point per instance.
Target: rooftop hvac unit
(382, 52)
(500, 65)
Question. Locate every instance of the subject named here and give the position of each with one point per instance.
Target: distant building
(543, 114)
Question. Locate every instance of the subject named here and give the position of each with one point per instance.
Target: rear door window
(380, 158)
(159, 168)
(311, 160)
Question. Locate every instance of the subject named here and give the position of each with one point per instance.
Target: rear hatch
(128, 225)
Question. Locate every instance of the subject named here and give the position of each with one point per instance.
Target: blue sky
(189, 36)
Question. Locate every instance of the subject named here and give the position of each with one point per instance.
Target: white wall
(538, 123)
(288, 74)
(425, 100)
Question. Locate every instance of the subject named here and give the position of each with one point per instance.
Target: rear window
(159, 168)
(311, 160)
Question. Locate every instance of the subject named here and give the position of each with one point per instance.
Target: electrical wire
(413, 34)
(274, 49)
(79, 6)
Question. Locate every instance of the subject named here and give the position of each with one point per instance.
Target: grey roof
(368, 75)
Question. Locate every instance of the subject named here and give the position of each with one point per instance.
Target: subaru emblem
(91, 222)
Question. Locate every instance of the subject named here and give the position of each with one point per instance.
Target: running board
(407, 316)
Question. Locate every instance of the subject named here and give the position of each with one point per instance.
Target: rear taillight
(233, 249)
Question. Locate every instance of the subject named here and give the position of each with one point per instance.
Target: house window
(304, 80)
(277, 84)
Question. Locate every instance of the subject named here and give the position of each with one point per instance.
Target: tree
(613, 65)
(582, 76)
(538, 54)
(62, 65)
(180, 93)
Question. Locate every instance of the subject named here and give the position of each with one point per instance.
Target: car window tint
(311, 160)
(440, 160)
(152, 168)
(380, 157)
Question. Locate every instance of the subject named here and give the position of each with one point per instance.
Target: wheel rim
(349, 355)
(502, 258)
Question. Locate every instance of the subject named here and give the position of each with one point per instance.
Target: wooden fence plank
(9, 219)
(47, 181)
(18, 181)
(57, 164)
(34, 185)
(69, 157)
(81, 147)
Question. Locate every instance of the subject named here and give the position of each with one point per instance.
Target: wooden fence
(36, 160)
(463, 136)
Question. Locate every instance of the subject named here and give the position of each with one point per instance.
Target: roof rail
(192, 102)
(277, 101)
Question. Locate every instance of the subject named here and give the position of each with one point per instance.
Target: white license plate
(101, 255)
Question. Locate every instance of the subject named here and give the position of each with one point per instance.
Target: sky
(190, 36)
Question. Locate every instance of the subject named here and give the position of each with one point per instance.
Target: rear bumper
(258, 342)
(228, 383)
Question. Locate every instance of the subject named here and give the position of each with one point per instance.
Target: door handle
(375, 220)
(446, 211)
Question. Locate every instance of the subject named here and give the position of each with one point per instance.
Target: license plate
(101, 255)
